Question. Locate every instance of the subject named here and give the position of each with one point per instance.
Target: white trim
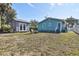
(61, 27)
(26, 27)
(57, 26)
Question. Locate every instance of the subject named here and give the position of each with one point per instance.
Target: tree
(33, 25)
(2, 11)
(71, 21)
(7, 28)
(6, 14)
(11, 15)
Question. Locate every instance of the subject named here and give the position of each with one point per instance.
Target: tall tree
(6, 14)
(11, 15)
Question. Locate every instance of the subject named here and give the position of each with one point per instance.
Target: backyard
(39, 44)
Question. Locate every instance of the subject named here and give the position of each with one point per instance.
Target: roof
(22, 21)
(52, 19)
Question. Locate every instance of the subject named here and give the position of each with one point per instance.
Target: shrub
(63, 30)
(33, 30)
(6, 28)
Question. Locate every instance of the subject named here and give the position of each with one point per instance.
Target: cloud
(52, 5)
(30, 4)
(75, 10)
(59, 4)
(55, 4)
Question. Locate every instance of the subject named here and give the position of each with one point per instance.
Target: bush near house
(33, 30)
(33, 26)
(65, 30)
(6, 28)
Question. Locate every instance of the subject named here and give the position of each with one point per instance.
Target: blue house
(52, 25)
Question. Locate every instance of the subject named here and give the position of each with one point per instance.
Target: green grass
(50, 44)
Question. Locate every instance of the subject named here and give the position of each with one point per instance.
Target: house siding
(50, 25)
(16, 26)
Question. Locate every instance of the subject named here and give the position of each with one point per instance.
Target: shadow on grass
(51, 32)
(42, 32)
(30, 33)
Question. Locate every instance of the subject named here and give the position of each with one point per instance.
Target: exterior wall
(13, 25)
(16, 26)
(49, 26)
(76, 28)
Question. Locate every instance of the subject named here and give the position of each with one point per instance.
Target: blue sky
(38, 11)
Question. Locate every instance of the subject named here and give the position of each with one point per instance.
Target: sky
(38, 11)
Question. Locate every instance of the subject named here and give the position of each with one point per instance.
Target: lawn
(39, 44)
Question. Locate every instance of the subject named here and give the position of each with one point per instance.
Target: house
(19, 26)
(71, 23)
(76, 27)
(52, 25)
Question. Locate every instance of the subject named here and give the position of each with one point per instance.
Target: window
(24, 26)
(20, 26)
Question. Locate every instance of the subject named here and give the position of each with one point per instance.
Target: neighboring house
(76, 27)
(19, 26)
(52, 25)
(71, 23)
(72, 28)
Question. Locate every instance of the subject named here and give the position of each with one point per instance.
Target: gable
(51, 20)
